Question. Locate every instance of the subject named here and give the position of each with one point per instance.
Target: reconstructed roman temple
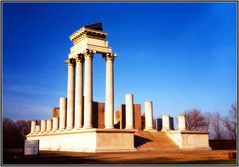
(81, 124)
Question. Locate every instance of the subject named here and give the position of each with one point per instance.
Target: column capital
(110, 56)
(79, 58)
(89, 53)
(70, 61)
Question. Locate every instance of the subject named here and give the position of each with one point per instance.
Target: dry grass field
(139, 157)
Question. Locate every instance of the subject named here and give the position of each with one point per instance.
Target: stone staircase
(157, 141)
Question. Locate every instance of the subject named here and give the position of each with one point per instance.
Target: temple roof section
(90, 31)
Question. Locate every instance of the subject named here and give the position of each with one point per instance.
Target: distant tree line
(14, 132)
(219, 127)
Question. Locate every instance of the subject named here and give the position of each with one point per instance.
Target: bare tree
(216, 126)
(14, 132)
(230, 123)
(195, 120)
(24, 127)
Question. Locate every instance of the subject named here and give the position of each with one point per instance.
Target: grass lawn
(140, 157)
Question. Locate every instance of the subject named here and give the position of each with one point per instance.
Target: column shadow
(138, 141)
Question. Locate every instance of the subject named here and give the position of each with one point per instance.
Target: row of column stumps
(45, 125)
(54, 124)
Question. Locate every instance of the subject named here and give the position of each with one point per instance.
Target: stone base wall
(190, 140)
(86, 140)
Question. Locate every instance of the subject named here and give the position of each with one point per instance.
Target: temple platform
(86, 140)
(190, 140)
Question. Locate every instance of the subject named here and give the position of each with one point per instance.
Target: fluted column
(63, 108)
(33, 126)
(148, 115)
(43, 125)
(70, 93)
(109, 99)
(129, 98)
(181, 122)
(88, 90)
(79, 92)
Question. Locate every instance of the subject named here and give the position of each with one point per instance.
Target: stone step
(154, 141)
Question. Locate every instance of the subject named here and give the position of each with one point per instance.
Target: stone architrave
(181, 123)
(43, 125)
(33, 126)
(129, 101)
(148, 115)
(70, 93)
(109, 99)
(63, 108)
(165, 122)
(79, 92)
(88, 90)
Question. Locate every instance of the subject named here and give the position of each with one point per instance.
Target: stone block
(137, 116)
(98, 115)
(190, 140)
(122, 116)
(159, 124)
(56, 112)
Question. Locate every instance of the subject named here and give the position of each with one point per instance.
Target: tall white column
(109, 99)
(165, 122)
(88, 90)
(70, 93)
(129, 102)
(55, 122)
(63, 106)
(79, 92)
(181, 122)
(148, 115)
(43, 125)
(48, 125)
(33, 126)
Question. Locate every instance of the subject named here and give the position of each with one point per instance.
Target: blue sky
(179, 55)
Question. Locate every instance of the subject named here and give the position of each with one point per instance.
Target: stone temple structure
(80, 124)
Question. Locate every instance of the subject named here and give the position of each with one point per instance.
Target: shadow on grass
(16, 157)
(51, 160)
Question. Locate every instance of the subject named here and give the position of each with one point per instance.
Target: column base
(77, 127)
(129, 128)
(110, 127)
(69, 128)
(148, 129)
(87, 127)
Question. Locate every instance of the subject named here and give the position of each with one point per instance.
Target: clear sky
(179, 55)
